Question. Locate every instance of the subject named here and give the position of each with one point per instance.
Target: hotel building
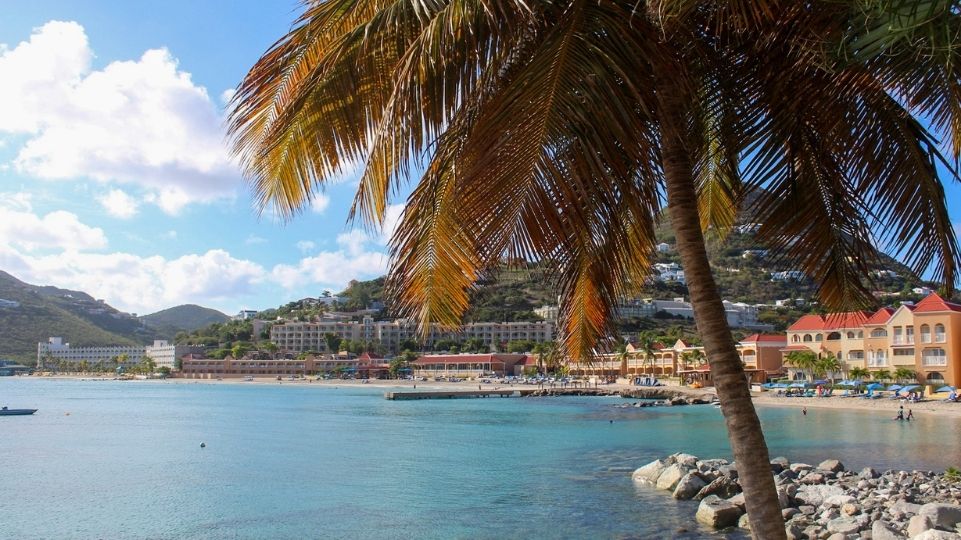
(309, 336)
(164, 354)
(923, 337)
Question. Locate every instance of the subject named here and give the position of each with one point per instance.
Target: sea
(123, 459)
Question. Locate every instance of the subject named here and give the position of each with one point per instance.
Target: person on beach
(900, 415)
(804, 411)
(910, 415)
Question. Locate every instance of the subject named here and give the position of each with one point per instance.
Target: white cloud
(118, 204)
(253, 239)
(140, 284)
(21, 201)
(391, 220)
(353, 241)
(140, 122)
(332, 269)
(319, 203)
(306, 246)
(227, 95)
(56, 230)
(170, 235)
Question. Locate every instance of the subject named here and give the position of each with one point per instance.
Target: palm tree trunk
(743, 426)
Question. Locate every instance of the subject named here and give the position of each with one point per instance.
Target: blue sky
(114, 176)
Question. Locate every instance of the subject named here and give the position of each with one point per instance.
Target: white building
(9, 303)
(245, 314)
(55, 349)
(310, 336)
(664, 247)
(165, 354)
(548, 313)
(789, 275)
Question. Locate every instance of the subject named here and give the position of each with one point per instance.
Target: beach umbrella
(797, 385)
(875, 386)
(945, 389)
(821, 382)
(780, 385)
(895, 387)
(910, 388)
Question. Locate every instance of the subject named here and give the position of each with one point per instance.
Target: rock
(788, 513)
(850, 509)
(881, 530)
(816, 494)
(738, 500)
(838, 536)
(689, 486)
(844, 525)
(919, 524)
(650, 472)
(943, 516)
(798, 467)
(778, 464)
(793, 532)
(728, 470)
(783, 498)
(807, 509)
(904, 507)
(677, 401)
(813, 478)
(934, 534)
(722, 486)
(686, 460)
(839, 500)
(744, 522)
(832, 465)
(717, 512)
(868, 473)
(670, 477)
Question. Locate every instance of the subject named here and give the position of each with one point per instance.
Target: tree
(333, 342)
(551, 130)
(147, 365)
(828, 365)
(805, 361)
(858, 373)
(882, 375)
(904, 374)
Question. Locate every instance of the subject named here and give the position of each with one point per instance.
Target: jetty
(533, 391)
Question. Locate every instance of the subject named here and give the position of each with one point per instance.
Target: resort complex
(924, 338)
(163, 353)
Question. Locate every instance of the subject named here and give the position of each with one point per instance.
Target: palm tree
(903, 374)
(550, 131)
(647, 346)
(882, 375)
(805, 361)
(828, 365)
(858, 373)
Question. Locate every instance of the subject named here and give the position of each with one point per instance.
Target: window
(925, 333)
(795, 338)
(877, 359)
(903, 352)
(909, 334)
(850, 335)
(834, 336)
(856, 355)
(934, 376)
(879, 332)
(818, 337)
(898, 335)
(807, 338)
(939, 333)
(934, 357)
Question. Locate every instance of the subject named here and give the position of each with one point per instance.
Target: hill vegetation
(187, 317)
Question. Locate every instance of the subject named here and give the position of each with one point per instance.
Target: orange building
(923, 337)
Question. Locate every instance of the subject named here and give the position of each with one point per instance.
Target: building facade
(467, 365)
(310, 336)
(923, 337)
(165, 354)
(55, 349)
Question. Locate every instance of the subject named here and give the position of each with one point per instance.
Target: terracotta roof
(808, 322)
(850, 319)
(795, 348)
(934, 302)
(880, 316)
(756, 338)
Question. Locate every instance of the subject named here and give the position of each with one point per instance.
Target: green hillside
(48, 311)
(185, 318)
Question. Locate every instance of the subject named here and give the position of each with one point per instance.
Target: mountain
(185, 318)
(34, 313)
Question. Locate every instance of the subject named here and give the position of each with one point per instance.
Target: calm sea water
(308, 462)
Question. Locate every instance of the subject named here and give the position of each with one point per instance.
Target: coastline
(764, 399)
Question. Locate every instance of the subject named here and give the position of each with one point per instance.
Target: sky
(115, 178)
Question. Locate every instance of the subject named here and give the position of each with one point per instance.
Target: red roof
(833, 321)
(934, 302)
(771, 338)
(880, 316)
(795, 348)
(368, 356)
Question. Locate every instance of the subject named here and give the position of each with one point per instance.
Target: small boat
(16, 412)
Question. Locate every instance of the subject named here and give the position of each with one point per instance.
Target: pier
(455, 394)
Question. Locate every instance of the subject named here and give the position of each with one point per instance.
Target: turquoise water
(309, 462)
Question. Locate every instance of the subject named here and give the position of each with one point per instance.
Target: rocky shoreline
(819, 502)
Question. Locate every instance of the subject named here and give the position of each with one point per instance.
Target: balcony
(877, 362)
(934, 360)
(903, 340)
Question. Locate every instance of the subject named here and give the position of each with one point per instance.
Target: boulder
(744, 522)
(783, 498)
(838, 536)
(844, 525)
(779, 463)
(794, 532)
(943, 516)
(850, 509)
(813, 478)
(650, 472)
(689, 486)
(904, 507)
(934, 534)
(686, 460)
(816, 494)
(718, 513)
(670, 477)
(919, 524)
(832, 465)
(838, 501)
(868, 473)
(882, 530)
(788, 513)
(677, 401)
(738, 500)
(722, 486)
(728, 470)
(798, 467)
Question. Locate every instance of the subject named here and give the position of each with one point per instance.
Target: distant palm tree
(804, 361)
(904, 374)
(552, 130)
(829, 365)
(858, 373)
(882, 375)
